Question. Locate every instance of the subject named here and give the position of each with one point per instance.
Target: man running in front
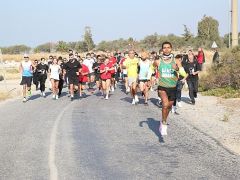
(167, 66)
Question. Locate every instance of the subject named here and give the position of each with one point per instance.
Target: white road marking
(52, 146)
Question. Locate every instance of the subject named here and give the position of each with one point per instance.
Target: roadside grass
(11, 73)
(226, 92)
(4, 96)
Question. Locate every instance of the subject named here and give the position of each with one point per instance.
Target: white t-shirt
(89, 63)
(54, 71)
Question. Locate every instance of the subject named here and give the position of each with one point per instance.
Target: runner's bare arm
(103, 71)
(156, 63)
(20, 68)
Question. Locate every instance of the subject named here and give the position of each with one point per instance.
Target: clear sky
(33, 22)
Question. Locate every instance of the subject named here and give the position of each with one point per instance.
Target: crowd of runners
(100, 73)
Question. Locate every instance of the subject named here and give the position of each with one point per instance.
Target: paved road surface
(93, 138)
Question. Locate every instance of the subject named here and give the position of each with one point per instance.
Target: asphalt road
(93, 138)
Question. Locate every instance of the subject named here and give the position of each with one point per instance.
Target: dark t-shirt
(42, 69)
(190, 67)
(96, 67)
(72, 67)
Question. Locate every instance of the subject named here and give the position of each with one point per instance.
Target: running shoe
(133, 102)
(146, 103)
(136, 99)
(72, 98)
(193, 102)
(43, 94)
(106, 97)
(56, 97)
(173, 109)
(164, 130)
(24, 99)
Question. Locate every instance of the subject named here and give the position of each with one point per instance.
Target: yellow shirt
(132, 67)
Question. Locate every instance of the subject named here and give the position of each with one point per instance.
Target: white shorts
(131, 80)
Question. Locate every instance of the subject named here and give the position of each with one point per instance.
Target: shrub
(225, 75)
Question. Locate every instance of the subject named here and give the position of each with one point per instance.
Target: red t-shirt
(106, 75)
(122, 60)
(200, 57)
(113, 61)
(84, 78)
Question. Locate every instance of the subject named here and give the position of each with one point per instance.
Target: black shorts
(171, 92)
(143, 80)
(97, 77)
(82, 83)
(26, 80)
(73, 80)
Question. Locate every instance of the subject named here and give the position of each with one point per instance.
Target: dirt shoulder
(216, 117)
(10, 89)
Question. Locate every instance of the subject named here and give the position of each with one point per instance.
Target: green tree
(81, 46)
(47, 47)
(187, 33)
(88, 38)
(17, 49)
(72, 45)
(62, 46)
(104, 46)
(150, 42)
(208, 31)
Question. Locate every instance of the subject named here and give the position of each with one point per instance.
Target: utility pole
(229, 23)
(234, 23)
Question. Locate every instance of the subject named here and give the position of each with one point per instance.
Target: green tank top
(168, 76)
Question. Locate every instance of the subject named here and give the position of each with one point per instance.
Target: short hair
(166, 42)
(178, 56)
(42, 58)
(153, 52)
(88, 54)
(71, 54)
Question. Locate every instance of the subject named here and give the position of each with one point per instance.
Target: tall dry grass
(4, 96)
(12, 73)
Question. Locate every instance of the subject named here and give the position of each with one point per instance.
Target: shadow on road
(154, 126)
(33, 97)
(127, 99)
(155, 102)
(186, 100)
